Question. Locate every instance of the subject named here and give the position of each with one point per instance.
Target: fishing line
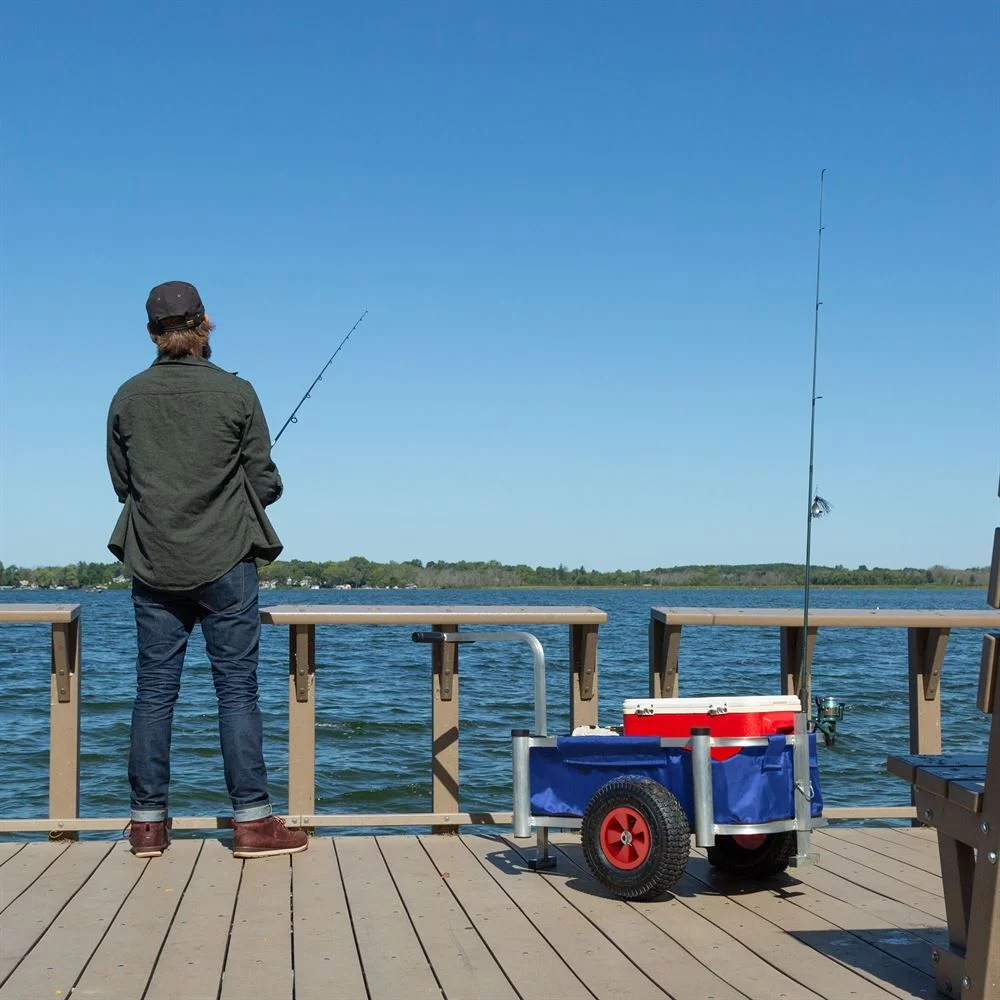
(293, 419)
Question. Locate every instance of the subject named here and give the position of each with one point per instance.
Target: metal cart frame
(700, 743)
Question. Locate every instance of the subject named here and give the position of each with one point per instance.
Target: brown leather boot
(148, 840)
(266, 838)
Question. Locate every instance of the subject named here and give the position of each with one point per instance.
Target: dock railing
(927, 633)
(301, 620)
(64, 704)
(927, 640)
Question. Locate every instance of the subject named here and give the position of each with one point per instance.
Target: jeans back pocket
(231, 591)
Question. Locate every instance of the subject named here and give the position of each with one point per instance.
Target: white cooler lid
(702, 706)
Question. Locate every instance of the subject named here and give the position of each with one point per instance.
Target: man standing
(190, 458)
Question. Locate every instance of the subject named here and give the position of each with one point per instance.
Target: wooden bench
(302, 619)
(959, 795)
(64, 704)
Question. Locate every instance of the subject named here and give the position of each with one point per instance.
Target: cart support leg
(542, 859)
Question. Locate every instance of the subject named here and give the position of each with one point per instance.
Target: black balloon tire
(670, 837)
(769, 858)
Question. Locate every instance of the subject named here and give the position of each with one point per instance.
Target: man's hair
(178, 343)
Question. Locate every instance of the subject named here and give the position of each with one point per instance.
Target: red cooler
(724, 716)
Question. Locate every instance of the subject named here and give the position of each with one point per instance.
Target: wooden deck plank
(824, 956)
(259, 960)
(798, 961)
(23, 868)
(139, 929)
(8, 849)
(393, 961)
(599, 964)
(459, 957)
(465, 919)
(905, 944)
(899, 870)
(726, 949)
(897, 961)
(929, 903)
(879, 906)
(536, 970)
(919, 855)
(923, 832)
(29, 915)
(664, 937)
(657, 955)
(899, 835)
(70, 908)
(191, 962)
(327, 964)
(709, 892)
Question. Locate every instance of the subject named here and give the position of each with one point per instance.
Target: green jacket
(190, 457)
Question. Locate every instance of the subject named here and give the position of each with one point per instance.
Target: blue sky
(586, 238)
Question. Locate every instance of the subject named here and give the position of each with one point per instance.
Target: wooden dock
(461, 917)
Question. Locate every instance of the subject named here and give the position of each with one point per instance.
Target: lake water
(373, 696)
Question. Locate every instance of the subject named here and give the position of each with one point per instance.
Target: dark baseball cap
(176, 302)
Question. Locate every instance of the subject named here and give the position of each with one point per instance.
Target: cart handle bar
(537, 654)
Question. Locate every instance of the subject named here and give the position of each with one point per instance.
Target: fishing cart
(740, 773)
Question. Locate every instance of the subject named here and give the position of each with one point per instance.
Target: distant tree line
(81, 574)
(360, 572)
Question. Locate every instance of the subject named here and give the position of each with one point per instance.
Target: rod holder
(451, 638)
(701, 774)
(520, 740)
(537, 655)
(802, 792)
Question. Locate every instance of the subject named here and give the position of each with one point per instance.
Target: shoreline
(623, 586)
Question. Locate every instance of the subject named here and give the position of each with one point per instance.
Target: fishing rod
(816, 506)
(293, 419)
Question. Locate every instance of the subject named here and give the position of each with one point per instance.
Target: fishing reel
(829, 712)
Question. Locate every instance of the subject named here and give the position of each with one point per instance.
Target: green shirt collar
(189, 359)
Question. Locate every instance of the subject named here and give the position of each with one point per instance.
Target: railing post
(925, 653)
(582, 676)
(664, 657)
(993, 587)
(301, 720)
(64, 724)
(444, 727)
(792, 681)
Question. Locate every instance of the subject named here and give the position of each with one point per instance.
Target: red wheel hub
(749, 841)
(625, 839)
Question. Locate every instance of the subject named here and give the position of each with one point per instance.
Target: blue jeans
(230, 622)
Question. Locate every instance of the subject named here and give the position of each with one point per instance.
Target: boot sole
(156, 852)
(273, 853)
